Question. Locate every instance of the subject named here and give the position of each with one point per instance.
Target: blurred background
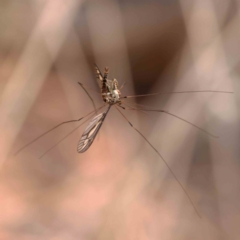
(120, 188)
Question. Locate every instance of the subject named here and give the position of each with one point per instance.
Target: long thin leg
(64, 137)
(137, 104)
(34, 140)
(94, 106)
(163, 93)
(163, 111)
(162, 160)
(123, 102)
(85, 86)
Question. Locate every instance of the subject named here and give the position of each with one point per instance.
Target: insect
(111, 96)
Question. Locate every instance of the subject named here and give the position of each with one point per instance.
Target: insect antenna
(162, 160)
(64, 137)
(70, 121)
(163, 93)
(163, 111)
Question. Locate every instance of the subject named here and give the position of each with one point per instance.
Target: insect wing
(90, 133)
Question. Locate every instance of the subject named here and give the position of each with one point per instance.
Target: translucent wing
(90, 133)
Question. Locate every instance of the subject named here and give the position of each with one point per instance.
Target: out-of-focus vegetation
(119, 188)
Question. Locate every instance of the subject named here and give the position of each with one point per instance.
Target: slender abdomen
(105, 89)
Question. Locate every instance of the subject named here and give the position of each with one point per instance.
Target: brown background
(119, 188)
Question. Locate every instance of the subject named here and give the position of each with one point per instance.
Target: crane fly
(111, 96)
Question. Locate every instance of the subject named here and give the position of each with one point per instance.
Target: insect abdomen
(105, 89)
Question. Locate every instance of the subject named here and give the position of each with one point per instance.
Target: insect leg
(162, 160)
(163, 93)
(129, 109)
(64, 137)
(163, 111)
(70, 121)
(94, 106)
(85, 86)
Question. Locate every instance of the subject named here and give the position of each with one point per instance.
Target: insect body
(111, 96)
(109, 88)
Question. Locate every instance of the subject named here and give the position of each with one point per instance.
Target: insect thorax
(110, 91)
